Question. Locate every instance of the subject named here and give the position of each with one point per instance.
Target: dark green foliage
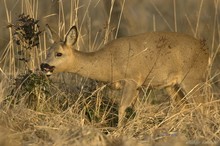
(26, 31)
(29, 88)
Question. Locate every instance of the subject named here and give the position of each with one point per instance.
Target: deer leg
(129, 94)
(176, 93)
(195, 90)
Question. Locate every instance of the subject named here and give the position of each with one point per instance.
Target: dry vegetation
(71, 110)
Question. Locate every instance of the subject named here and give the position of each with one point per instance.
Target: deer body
(158, 59)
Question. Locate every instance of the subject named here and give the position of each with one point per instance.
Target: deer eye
(58, 54)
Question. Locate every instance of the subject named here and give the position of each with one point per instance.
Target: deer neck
(89, 64)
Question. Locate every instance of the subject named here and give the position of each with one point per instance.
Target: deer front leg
(129, 94)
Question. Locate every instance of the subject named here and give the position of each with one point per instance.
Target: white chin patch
(48, 73)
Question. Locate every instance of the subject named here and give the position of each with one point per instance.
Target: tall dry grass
(78, 111)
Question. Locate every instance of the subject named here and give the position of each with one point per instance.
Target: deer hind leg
(129, 95)
(195, 89)
(189, 90)
(176, 93)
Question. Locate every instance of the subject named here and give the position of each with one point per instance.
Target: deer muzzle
(47, 69)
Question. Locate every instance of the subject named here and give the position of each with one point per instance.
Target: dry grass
(73, 110)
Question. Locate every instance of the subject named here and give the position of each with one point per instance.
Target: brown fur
(161, 59)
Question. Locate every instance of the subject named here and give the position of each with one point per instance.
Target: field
(68, 109)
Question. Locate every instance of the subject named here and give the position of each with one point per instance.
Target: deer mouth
(47, 69)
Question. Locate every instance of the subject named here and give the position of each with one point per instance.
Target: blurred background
(199, 18)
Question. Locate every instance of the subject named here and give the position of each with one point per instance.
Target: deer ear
(51, 34)
(71, 36)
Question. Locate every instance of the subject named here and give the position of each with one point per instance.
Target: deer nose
(46, 67)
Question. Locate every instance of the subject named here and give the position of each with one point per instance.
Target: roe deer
(158, 59)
